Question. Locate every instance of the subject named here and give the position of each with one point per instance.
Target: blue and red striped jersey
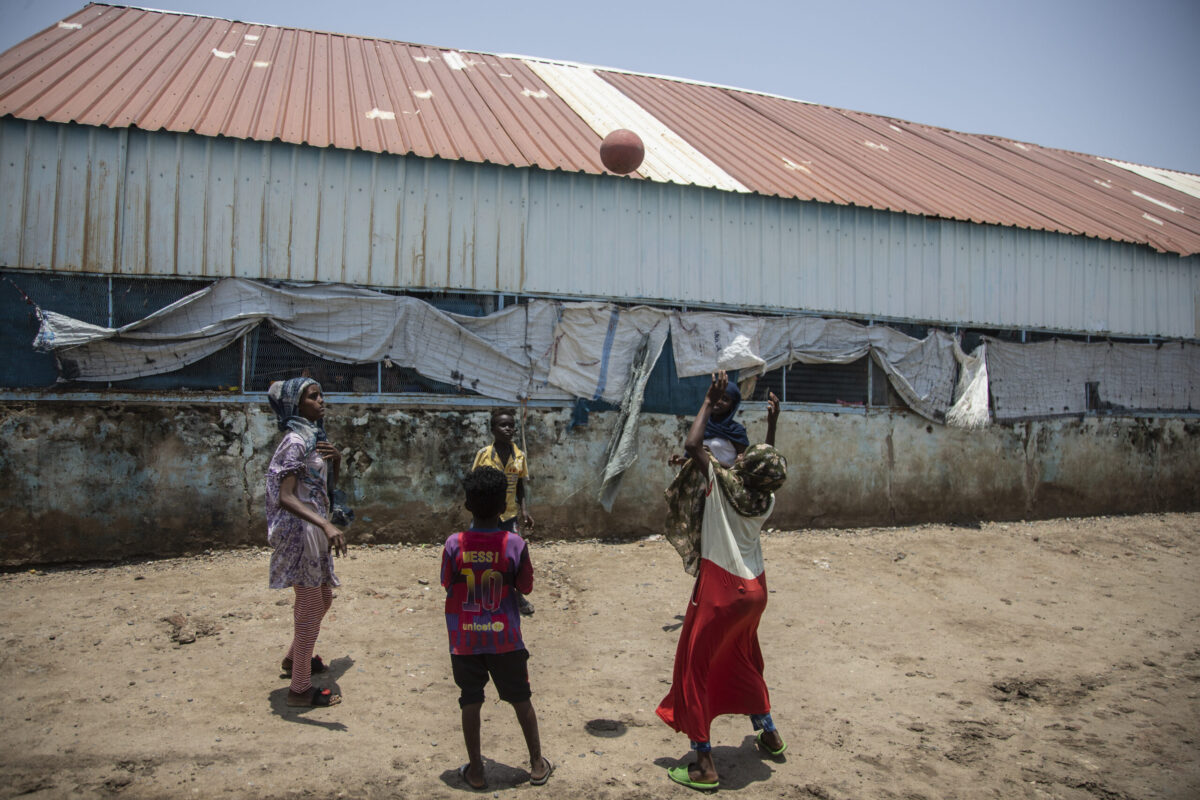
(480, 569)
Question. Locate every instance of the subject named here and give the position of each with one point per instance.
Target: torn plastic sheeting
(703, 342)
(970, 409)
(622, 448)
(337, 322)
(922, 371)
(595, 344)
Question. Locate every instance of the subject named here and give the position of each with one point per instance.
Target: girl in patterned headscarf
(303, 469)
(718, 663)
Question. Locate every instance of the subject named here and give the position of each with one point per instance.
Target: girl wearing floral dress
(299, 483)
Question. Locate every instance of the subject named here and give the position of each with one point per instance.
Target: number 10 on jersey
(487, 588)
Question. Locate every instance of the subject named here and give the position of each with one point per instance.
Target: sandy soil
(1026, 660)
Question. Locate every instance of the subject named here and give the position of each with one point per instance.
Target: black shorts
(509, 672)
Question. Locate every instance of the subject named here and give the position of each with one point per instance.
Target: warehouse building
(960, 326)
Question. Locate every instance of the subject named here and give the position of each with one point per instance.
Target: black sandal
(317, 666)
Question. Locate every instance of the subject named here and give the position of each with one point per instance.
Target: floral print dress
(301, 556)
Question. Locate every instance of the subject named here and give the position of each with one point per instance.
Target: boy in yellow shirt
(504, 455)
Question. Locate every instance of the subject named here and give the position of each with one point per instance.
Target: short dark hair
(487, 491)
(502, 410)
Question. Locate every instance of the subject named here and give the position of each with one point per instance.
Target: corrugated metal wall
(79, 198)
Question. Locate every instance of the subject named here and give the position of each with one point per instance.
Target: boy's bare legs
(470, 724)
(527, 717)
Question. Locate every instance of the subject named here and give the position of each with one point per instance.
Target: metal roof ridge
(341, 34)
(185, 14)
(690, 81)
(1120, 162)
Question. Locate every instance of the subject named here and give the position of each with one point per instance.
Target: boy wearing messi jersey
(481, 569)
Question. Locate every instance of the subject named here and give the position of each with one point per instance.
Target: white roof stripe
(669, 159)
(1179, 181)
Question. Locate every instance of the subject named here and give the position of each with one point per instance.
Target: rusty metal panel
(246, 245)
(117, 67)
(178, 72)
(835, 156)
(218, 212)
(328, 262)
(14, 159)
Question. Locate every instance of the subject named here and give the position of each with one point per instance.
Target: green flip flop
(680, 775)
(775, 753)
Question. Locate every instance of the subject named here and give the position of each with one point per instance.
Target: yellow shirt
(514, 470)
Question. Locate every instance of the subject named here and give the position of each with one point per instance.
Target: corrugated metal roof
(183, 73)
(668, 158)
(115, 66)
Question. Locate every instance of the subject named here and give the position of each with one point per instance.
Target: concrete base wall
(89, 481)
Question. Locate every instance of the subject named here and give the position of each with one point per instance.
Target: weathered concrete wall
(90, 481)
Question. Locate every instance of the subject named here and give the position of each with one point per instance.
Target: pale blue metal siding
(135, 203)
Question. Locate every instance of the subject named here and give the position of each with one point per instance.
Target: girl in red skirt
(718, 663)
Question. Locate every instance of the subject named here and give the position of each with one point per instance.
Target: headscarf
(748, 486)
(727, 428)
(284, 397)
(749, 483)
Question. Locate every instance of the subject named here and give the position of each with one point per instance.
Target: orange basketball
(622, 151)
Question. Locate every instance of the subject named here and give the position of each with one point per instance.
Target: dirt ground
(1022, 660)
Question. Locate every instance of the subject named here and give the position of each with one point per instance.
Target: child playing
(505, 456)
(481, 568)
(724, 436)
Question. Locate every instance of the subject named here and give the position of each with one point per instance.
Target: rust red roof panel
(115, 66)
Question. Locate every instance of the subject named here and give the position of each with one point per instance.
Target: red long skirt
(718, 664)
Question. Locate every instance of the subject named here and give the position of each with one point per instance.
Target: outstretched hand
(772, 408)
(716, 389)
(772, 417)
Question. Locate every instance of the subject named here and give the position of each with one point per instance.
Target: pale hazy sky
(1114, 78)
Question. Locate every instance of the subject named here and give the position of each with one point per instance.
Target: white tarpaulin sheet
(704, 342)
(544, 349)
(540, 349)
(595, 345)
(505, 355)
(1052, 378)
(970, 409)
(923, 371)
(622, 448)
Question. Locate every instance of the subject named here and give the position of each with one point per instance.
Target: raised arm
(694, 443)
(772, 417)
(333, 457)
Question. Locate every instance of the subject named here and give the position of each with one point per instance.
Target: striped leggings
(311, 604)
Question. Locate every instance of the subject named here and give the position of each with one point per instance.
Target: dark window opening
(831, 384)
(269, 358)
